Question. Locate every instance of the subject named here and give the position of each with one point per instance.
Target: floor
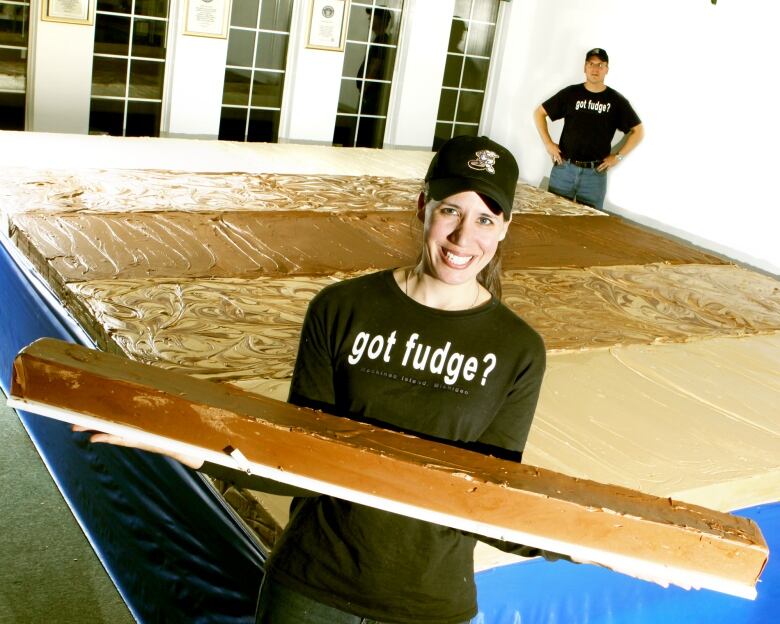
(49, 572)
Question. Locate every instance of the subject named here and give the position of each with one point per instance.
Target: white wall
(195, 74)
(701, 77)
(311, 86)
(422, 54)
(59, 75)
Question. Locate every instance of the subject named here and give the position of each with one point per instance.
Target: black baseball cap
(479, 164)
(601, 53)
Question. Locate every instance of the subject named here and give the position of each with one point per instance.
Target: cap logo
(485, 161)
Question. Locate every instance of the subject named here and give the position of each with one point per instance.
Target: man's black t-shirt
(590, 120)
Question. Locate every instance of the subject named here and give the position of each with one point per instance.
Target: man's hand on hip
(555, 153)
(609, 162)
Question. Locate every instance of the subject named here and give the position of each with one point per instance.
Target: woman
(455, 365)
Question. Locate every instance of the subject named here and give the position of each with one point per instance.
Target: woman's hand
(110, 438)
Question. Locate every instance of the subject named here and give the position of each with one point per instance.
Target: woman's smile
(455, 260)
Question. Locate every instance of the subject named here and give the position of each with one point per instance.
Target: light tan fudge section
(698, 420)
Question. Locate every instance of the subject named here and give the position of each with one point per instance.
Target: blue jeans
(279, 605)
(586, 186)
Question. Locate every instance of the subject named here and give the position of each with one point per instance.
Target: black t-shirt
(369, 352)
(590, 120)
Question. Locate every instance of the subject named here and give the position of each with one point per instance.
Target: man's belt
(585, 164)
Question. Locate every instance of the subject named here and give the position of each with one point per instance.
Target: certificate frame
(207, 18)
(328, 24)
(68, 11)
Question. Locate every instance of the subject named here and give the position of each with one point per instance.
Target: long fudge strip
(657, 539)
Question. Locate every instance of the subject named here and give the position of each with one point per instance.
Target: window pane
(475, 74)
(392, 4)
(452, 71)
(383, 27)
(143, 119)
(241, 47)
(457, 36)
(480, 39)
(371, 132)
(348, 96)
(462, 9)
(442, 134)
(275, 14)
(485, 11)
(344, 132)
(381, 61)
(146, 79)
(237, 88)
(470, 106)
(263, 126)
(153, 8)
(149, 38)
(11, 111)
(106, 117)
(380, 31)
(14, 24)
(109, 76)
(467, 130)
(267, 89)
(232, 124)
(376, 98)
(13, 69)
(112, 34)
(271, 51)
(358, 28)
(354, 57)
(114, 6)
(244, 13)
(447, 105)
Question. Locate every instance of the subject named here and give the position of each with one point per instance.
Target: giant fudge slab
(654, 538)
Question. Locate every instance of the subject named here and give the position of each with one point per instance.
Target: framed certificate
(327, 24)
(68, 11)
(207, 18)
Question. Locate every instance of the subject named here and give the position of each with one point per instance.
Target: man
(592, 112)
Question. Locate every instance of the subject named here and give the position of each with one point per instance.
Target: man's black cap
(479, 164)
(599, 52)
